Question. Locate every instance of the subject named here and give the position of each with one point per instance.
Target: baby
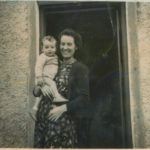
(45, 71)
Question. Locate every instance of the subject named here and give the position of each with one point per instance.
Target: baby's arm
(39, 69)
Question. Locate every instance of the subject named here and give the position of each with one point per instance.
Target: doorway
(99, 25)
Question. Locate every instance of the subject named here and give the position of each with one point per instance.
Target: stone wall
(138, 31)
(17, 42)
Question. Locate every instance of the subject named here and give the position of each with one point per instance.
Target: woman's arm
(80, 94)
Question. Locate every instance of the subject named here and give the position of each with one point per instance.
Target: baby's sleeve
(39, 65)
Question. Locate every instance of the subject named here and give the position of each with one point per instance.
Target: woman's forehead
(67, 38)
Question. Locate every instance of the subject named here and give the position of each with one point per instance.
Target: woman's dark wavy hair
(74, 34)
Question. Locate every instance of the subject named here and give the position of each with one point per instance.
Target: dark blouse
(73, 83)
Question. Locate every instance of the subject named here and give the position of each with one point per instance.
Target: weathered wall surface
(15, 72)
(138, 25)
(143, 20)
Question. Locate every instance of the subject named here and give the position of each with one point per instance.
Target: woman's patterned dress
(60, 133)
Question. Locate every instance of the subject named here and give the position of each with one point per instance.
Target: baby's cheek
(44, 50)
(54, 50)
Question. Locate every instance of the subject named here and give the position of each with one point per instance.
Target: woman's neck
(69, 60)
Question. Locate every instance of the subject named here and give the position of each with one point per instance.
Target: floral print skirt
(54, 134)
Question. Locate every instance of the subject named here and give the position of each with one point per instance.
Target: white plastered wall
(138, 37)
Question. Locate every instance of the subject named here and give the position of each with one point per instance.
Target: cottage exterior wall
(17, 56)
(138, 31)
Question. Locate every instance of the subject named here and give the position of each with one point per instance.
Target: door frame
(123, 62)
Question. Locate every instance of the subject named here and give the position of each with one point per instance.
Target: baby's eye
(46, 47)
(62, 44)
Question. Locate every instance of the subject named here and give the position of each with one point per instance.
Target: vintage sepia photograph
(74, 74)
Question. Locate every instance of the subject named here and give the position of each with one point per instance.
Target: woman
(58, 126)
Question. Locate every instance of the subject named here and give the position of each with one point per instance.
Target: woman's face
(67, 46)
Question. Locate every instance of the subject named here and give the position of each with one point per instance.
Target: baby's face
(49, 48)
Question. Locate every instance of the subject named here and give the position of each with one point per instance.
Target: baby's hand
(37, 91)
(40, 81)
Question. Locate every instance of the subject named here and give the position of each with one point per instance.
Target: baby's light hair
(49, 38)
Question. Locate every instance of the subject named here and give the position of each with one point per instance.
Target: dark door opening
(98, 24)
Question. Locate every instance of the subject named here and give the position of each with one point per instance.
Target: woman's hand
(46, 90)
(56, 112)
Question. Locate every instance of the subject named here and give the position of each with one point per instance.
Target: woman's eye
(69, 44)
